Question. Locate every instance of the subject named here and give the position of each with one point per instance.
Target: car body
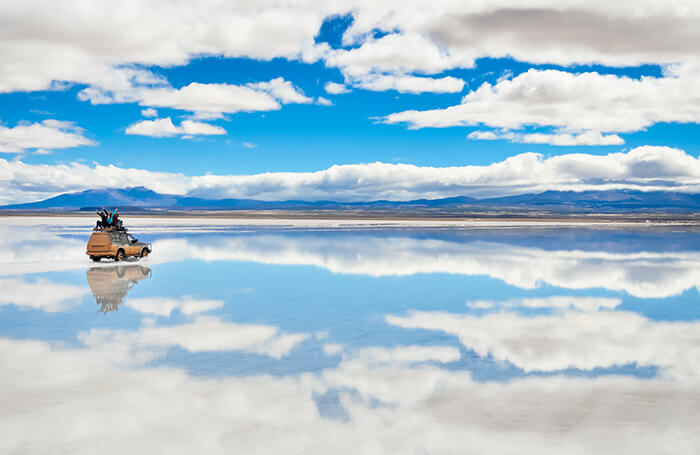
(115, 244)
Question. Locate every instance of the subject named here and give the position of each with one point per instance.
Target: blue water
(316, 339)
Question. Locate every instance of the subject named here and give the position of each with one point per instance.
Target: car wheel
(144, 253)
(95, 258)
(119, 256)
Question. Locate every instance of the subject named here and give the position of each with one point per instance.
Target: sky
(348, 100)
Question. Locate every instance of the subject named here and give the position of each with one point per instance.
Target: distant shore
(388, 216)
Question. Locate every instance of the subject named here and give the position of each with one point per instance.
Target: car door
(128, 246)
(122, 243)
(133, 248)
(116, 242)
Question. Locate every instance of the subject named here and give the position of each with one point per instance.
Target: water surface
(350, 338)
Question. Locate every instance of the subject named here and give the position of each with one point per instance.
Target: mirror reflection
(109, 285)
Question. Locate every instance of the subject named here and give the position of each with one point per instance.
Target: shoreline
(389, 218)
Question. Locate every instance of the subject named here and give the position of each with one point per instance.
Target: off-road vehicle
(115, 244)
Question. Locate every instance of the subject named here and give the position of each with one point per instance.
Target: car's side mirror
(134, 240)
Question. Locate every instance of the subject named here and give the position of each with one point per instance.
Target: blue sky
(238, 90)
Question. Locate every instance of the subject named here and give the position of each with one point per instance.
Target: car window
(131, 238)
(114, 237)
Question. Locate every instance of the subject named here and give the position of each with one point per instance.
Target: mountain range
(140, 198)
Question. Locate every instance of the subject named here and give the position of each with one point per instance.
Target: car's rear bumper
(100, 254)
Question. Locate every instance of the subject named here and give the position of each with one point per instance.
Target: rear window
(99, 239)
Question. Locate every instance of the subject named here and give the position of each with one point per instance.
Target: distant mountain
(140, 198)
(130, 197)
(602, 200)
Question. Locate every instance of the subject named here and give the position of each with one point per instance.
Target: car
(115, 244)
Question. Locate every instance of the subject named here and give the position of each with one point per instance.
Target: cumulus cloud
(211, 99)
(46, 135)
(324, 101)
(149, 112)
(580, 102)
(205, 100)
(406, 354)
(38, 49)
(40, 294)
(334, 88)
(570, 339)
(155, 128)
(643, 274)
(164, 127)
(395, 53)
(538, 32)
(425, 38)
(410, 84)
(116, 47)
(585, 138)
(644, 168)
(401, 407)
(558, 302)
(654, 268)
(282, 90)
(203, 334)
(164, 306)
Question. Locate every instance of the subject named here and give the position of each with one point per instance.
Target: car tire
(95, 258)
(144, 253)
(119, 256)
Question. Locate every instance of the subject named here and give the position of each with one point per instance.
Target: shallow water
(350, 338)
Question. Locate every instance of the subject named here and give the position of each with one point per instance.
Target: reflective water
(349, 338)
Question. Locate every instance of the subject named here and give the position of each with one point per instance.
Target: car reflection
(110, 285)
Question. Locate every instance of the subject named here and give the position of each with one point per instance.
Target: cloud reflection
(203, 334)
(389, 407)
(569, 338)
(645, 274)
(648, 265)
(40, 293)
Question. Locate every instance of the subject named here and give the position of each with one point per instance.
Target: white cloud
(44, 136)
(204, 334)
(149, 112)
(332, 349)
(559, 302)
(109, 44)
(407, 354)
(589, 102)
(534, 31)
(484, 135)
(323, 101)
(585, 138)
(249, 145)
(205, 100)
(643, 274)
(390, 408)
(211, 99)
(410, 84)
(31, 246)
(395, 53)
(38, 49)
(644, 168)
(333, 88)
(282, 90)
(570, 339)
(40, 294)
(164, 127)
(163, 306)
